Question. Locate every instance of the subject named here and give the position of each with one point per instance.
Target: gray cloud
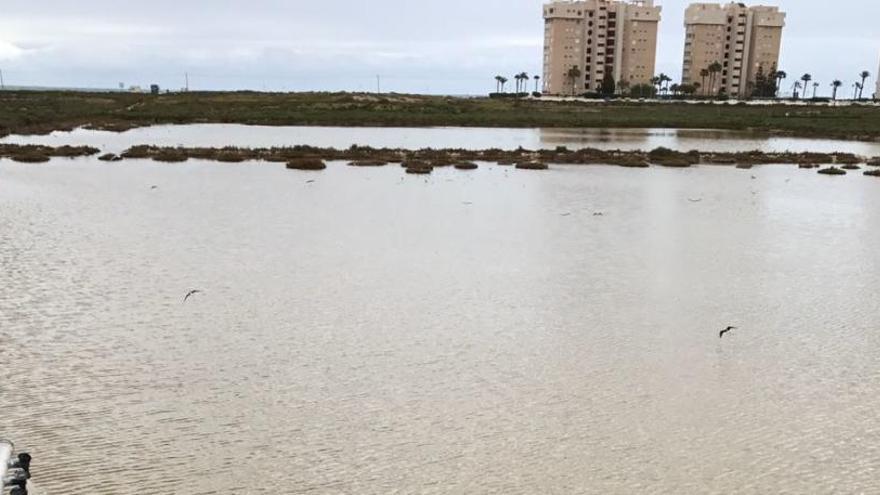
(453, 46)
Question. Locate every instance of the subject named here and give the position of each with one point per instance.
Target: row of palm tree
(711, 73)
(662, 82)
(779, 75)
(804, 83)
(522, 82)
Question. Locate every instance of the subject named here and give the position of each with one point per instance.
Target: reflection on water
(219, 135)
(462, 333)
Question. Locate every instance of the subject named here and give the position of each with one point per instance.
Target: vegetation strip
(364, 156)
(34, 112)
(30, 153)
(423, 161)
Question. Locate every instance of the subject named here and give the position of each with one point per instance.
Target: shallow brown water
(468, 332)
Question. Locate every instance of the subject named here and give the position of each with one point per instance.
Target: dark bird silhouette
(726, 330)
(154, 188)
(190, 294)
(310, 181)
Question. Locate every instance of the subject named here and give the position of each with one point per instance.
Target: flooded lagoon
(466, 332)
(220, 135)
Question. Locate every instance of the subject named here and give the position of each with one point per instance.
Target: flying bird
(190, 294)
(695, 200)
(726, 330)
(154, 188)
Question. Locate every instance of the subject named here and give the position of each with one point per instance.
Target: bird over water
(190, 294)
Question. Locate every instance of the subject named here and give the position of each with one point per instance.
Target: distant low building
(590, 42)
(743, 41)
(154, 89)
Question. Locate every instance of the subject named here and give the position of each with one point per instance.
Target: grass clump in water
(137, 152)
(110, 157)
(306, 164)
(532, 166)
(31, 158)
(368, 163)
(669, 158)
(230, 157)
(170, 156)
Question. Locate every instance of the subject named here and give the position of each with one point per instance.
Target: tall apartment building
(598, 38)
(743, 40)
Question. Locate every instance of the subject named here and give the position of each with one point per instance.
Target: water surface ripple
(479, 332)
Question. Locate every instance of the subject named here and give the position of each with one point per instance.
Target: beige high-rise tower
(587, 41)
(742, 40)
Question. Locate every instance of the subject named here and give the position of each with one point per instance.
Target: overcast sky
(425, 46)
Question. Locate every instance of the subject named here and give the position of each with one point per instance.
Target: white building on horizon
(877, 89)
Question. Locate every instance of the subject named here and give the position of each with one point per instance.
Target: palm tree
(537, 78)
(858, 88)
(656, 81)
(806, 78)
(503, 81)
(780, 75)
(665, 80)
(835, 85)
(574, 74)
(795, 88)
(864, 75)
(703, 75)
(714, 69)
(498, 82)
(815, 87)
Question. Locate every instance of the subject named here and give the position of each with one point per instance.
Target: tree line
(766, 85)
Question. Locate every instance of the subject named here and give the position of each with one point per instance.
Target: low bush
(306, 164)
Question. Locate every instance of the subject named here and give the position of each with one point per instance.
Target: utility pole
(186, 74)
(378, 85)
